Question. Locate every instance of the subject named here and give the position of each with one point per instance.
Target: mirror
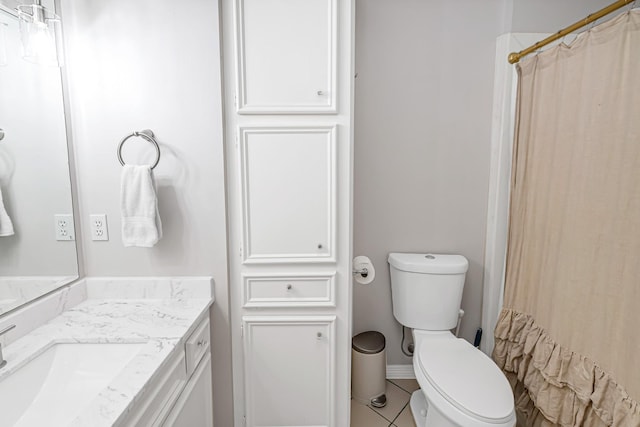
(34, 176)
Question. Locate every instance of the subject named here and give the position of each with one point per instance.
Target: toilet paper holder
(364, 272)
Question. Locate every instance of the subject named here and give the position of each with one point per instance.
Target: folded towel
(141, 224)
(6, 226)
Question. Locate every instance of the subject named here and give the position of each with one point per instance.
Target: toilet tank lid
(429, 263)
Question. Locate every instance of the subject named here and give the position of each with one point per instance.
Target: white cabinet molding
(287, 64)
(289, 370)
(290, 215)
(289, 290)
(193, 408)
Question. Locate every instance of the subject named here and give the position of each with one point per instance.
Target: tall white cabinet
(288, 106)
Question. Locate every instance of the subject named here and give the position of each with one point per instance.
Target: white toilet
(460, 385)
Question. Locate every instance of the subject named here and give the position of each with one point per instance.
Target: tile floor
(397, 412)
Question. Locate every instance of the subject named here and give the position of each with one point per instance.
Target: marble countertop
(162, 325)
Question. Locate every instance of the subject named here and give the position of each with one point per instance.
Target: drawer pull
(289, 287)
(201, 343)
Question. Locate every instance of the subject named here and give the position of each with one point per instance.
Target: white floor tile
(363, 416)
(409, 385)
(405, 419)
(397, 398)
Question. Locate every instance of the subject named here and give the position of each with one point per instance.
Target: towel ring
(146, 135)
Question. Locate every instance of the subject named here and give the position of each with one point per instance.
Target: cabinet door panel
(286, 56)
(289, 371)
(194, 407)
(289, 194)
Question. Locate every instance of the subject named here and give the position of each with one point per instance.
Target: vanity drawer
(197, 346)
(289, 291)
(161, 393)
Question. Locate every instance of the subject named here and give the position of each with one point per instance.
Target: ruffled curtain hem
(554, 386)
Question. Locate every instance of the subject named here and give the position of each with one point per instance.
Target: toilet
(459, 385)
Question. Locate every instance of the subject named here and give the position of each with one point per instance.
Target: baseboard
(400, 372)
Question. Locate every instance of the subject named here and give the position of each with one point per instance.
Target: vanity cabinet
(181, 393)
(192, 409)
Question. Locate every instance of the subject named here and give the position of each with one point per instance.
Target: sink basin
(54, 388)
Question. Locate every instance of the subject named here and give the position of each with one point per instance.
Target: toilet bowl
(459, 385)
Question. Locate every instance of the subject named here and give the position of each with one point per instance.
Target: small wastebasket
(368, 369)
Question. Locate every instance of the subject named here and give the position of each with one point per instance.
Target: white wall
(154, 64)
(549, 16)
(422, 136)
(424, 96)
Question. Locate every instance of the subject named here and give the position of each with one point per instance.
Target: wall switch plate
(99, 229)
(64, 227)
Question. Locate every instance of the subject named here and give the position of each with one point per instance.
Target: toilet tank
(426, 289)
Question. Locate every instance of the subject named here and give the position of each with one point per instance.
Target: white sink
(54, 388)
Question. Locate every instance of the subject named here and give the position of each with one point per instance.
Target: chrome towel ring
(146, 135)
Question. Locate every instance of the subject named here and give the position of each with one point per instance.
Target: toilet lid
(466, 377)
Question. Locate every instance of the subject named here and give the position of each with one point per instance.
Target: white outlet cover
(99, 229)
(65, 231)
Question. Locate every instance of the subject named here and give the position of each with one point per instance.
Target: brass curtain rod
(514, 57)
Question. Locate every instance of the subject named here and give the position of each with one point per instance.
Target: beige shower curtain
(568, 337)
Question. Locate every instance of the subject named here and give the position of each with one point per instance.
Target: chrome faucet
(4, 331)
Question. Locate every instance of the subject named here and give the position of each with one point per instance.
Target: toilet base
(418, 405)
(425, 418)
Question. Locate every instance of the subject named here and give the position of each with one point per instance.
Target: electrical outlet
(99, 229)
(64, 227)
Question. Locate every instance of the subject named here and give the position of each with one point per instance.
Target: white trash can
(368, 369)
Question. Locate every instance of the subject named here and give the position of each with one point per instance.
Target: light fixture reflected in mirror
(41, 34)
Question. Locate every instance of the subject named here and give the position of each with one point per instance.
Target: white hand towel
(141, 224)
(6, 226)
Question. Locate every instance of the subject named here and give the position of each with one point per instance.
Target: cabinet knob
(320, 92)
(319, 335)
(289, 287)
(201, 343)
(319, 245)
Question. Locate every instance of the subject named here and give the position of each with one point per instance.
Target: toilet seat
(465, 378)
